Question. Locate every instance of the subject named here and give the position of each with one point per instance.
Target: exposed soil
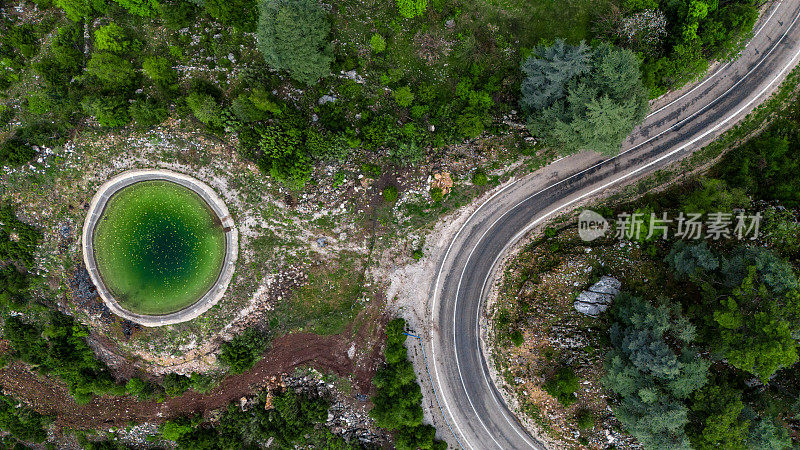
(325, 353)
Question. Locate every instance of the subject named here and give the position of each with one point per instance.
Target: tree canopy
(579, 98)
(293, 36)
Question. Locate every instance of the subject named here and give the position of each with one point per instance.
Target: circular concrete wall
(215, 203)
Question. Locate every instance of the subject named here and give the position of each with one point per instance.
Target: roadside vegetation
(398, 400)
(700, 350)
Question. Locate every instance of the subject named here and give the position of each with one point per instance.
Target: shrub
(390, 194)
(324, 146)
(14, 151)
(39, 103)
(22, 422)
(242, 352)
(584, 419)
(236, 13)
(201, 383)
(204, 107)
(175, 385)
(142, 389)
(406, 154)
(174, 430)
(479, 178)
(148, 112)
(108, 111)
(517, 338)
(178, 14)
(145, 8)
(21, 249)
(437, 194)
(371, 170)
(293, 36)
(563, 385)
(377, 43)
(403, 96)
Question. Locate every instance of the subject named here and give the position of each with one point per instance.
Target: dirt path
(325, 353)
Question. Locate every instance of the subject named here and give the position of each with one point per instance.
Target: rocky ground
(537, 298)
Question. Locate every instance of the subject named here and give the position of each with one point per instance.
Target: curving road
(685, 121)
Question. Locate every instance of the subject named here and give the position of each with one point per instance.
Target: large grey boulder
(598, 297)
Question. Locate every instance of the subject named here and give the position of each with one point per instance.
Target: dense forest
(230, 66)
(712, 360)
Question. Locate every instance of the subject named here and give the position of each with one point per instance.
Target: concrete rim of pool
(214, 202)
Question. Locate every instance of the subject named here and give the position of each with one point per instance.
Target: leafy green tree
(715, 195)
(756, 328)
(178, 14)
(112, 70)
(377, 43)
(720, 423)
(411, 8)
(397, 402)
(293, 36)
(766, 166)
(159, 69)
(111, 38)
(76, 10)
(403, 96)
(283, 155)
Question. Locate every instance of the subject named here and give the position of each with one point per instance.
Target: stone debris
(599, 297)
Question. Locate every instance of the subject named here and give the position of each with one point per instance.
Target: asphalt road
(685, 121)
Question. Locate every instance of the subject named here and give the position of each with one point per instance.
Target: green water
(158, 246)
